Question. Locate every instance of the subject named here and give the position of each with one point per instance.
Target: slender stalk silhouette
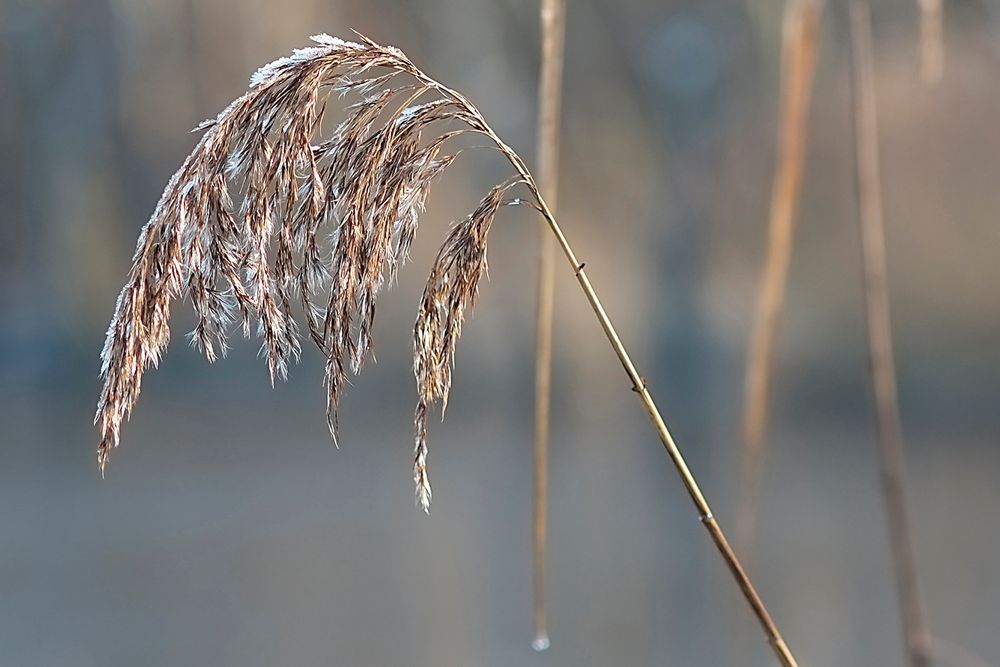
(553, 24)
(369, 181)
(798, 64)
(931, 40)
(882, 365)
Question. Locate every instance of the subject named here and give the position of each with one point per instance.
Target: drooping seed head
(322, 223)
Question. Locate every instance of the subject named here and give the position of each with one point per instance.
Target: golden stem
(771, 631)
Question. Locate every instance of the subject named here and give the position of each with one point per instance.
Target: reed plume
(368, 182)
(258, 261)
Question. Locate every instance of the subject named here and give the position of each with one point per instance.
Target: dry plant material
(882, 364)
(365, 185)
(257, 262)
(553, 23)
(798, 64)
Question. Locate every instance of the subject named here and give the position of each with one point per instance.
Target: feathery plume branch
(368, 182)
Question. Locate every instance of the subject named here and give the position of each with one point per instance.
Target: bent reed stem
(553, 25)
(708, 519)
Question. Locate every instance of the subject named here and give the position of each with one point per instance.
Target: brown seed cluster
(321, 226)
(451, 290)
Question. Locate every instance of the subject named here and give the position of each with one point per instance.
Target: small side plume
(451, 290)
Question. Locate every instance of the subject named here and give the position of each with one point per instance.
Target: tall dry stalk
(798, 64)
(369, 181)
(931, 40)
(553, 24)
(882, 365)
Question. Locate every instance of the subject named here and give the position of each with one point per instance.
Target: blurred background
(229, 531)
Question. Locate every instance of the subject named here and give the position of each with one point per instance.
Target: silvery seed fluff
(322, 224)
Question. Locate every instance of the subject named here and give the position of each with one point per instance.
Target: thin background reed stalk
(931, 40)
(553, 27)
(798, 64)
(705, 514)
(882, 365)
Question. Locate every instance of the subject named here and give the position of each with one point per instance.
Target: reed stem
(553, 26)
(882, 365)
(798, 64)
(708, 519)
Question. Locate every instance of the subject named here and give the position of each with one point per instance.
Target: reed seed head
(321, 225)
